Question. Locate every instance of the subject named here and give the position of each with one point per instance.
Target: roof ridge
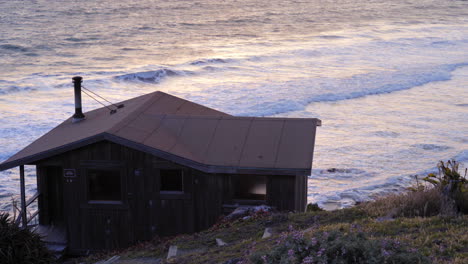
(140, 109)
(211, 139)
(179, 133)
(279, 143)
(244, 141)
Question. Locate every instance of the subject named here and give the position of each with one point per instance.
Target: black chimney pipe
(78, 116)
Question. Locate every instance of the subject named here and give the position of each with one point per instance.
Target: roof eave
(162, 154)
(52, 152)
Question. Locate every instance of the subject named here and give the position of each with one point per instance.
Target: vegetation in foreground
(19, 245)
(427, 224)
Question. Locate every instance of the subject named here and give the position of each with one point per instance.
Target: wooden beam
(23, 198)
(33, 215)
(32, 199)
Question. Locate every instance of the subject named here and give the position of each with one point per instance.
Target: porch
(53, 234)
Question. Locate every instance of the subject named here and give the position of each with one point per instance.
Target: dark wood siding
(211, 191)
(144, 211)
(280, 192)
(300, 193)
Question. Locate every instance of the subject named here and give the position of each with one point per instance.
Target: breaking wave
(278, 98)
(152, 76)
(210, 61)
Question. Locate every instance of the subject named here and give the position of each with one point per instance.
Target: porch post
(23, 198)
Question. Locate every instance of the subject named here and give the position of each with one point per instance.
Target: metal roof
(187, 133)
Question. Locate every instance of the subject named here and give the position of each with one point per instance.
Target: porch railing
(31, 216)
(23, 215)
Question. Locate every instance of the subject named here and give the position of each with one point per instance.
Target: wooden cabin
(161, 165)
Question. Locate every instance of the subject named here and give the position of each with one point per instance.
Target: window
(104, 185)
(172, 181)
(250, 187)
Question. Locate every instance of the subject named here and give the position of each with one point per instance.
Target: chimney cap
(77, 79)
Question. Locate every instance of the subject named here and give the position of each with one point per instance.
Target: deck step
(58, 250)
(54, 237)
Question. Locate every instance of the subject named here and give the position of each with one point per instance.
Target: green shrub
(313, 207)
(442, 194)
(338, 247)
(451, 184)
(19, 245)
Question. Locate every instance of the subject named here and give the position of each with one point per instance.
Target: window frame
(174, 195)
(182, 174)
(105, 166)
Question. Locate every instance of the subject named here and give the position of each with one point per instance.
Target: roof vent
(78, 116)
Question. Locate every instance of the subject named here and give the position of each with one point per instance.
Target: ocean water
(389, 79)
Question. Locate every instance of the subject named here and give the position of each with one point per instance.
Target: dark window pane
(104, 185)
(251, 187)
(172, 180)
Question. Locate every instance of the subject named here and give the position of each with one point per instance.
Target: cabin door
(53, 194)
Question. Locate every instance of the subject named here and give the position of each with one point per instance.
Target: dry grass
(429, 220)
(425, 203)
(442, 238)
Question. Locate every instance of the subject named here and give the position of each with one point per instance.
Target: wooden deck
(54, 237)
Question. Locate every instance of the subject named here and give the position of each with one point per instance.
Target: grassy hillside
(427, 224)
(442, 239)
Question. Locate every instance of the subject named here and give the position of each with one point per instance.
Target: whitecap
(152, 76)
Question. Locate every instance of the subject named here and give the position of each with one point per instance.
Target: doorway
(54, 194)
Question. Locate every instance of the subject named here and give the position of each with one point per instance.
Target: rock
(267, 233)
(265, 208)
(220, 242)
(172, 252)
(238, 213)
(244, 211)
(233, 261)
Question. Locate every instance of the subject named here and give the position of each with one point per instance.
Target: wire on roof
(112, 111)
(117, 106)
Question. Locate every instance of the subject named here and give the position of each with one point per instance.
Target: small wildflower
(313, 241)
(290, 252)
(308, 260)
(385, 253)
(264, 258)
(320, 252)
(384, 243)
(298, 235)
